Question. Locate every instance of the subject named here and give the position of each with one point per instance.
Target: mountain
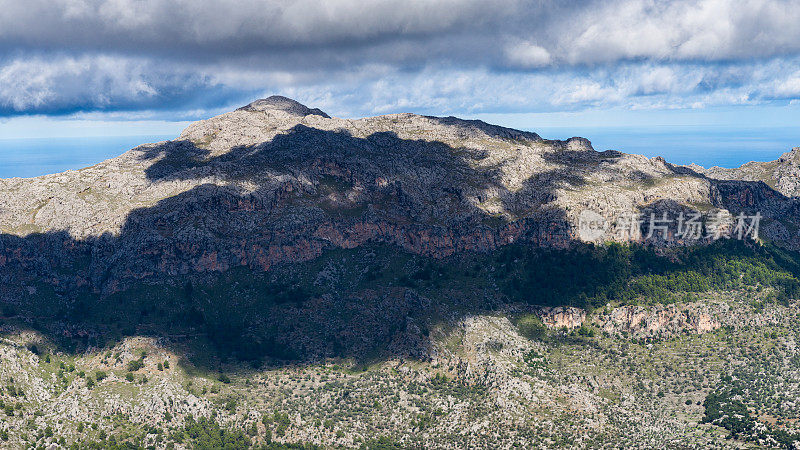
(398, 281)
(276, 181)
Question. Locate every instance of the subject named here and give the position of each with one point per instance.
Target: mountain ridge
(486, 148)
(276, 182)
(396, 281)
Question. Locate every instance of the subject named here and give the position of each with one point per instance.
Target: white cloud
(586, 93)
(711, 30)
(386, 55)
(92, 82)
(789, 88)
(528, 55)
(660, 80)
(106, 83)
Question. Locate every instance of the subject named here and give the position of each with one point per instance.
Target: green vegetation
(135, 365)
(590, 276)
(725, 407)
(333, 400)
(206, 434)
(531, 327)
(381, 443)
(282, 423)
(251, 315)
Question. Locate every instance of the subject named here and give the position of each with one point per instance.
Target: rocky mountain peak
(285, 104)
(792, 156)
(579, 144)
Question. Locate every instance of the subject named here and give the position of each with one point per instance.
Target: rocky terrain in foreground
(279, 278)
(482, 385)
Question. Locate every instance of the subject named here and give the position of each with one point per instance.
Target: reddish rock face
(658, 320)
(562, 317)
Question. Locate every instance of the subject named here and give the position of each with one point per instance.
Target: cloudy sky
(147, 62)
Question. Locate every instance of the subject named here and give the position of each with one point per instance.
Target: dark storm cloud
(60, 56)
(277, 31)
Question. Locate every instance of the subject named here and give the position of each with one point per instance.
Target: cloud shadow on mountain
(215, 262)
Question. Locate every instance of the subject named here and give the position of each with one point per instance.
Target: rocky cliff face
(276, 181)
(660, 320)
(783, 174)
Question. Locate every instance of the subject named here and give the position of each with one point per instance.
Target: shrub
(230, 405)
(135, 365)
(531, 327)
(207, 434)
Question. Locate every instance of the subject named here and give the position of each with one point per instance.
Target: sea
(706, 146)
(31, 157)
